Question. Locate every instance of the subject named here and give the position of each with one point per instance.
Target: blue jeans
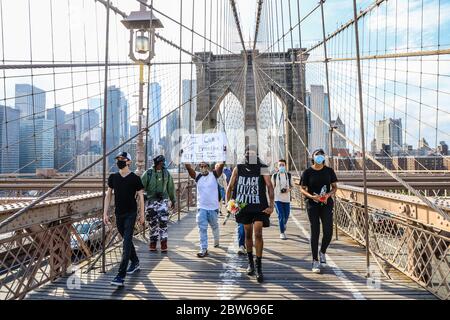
(241, 234)
(222, 193)
(205, 217)
(125, 226)
(283, 210)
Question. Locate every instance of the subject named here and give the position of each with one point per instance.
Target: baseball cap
(125, 155)
(159, 159)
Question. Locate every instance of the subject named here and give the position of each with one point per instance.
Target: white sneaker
(283, 236)
(242, 250)
(216, 244)
(322, 259)
(316, 267)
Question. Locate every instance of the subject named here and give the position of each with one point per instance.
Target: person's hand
(268, 210)
(316, 197)
(106, 219)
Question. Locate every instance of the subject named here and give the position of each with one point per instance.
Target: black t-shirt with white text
(318, 182)
(251, 188)
(125, 189)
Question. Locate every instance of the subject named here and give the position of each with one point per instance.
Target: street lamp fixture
(142, 25)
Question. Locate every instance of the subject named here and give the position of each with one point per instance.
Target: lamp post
(142, 25)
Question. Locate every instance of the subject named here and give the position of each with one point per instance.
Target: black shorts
(250, 217)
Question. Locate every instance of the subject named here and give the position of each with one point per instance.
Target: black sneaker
(118, 281)
(259, 273)
(133, 268)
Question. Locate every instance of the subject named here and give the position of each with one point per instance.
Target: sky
(76, 32)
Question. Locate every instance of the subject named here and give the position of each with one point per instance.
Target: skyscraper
(117, 120)
(65, 148)
(318, 131)
(338, 141)
(30, 100)
(154, 109)
(37, 144)
(9, 139)
(171, 128)
(56, 114)
(389, 133)
(189, 108)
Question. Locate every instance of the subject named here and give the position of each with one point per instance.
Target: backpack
(215, 175)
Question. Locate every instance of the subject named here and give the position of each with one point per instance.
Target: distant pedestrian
(282, 184)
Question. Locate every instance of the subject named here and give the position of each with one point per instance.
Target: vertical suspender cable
(105, 113)
(363, 139)
(330, 137)
(179, 113)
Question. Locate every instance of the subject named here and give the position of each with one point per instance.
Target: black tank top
(250, 188)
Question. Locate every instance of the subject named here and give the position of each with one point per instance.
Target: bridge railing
(416, 250)
(58, 237)
(417, 247)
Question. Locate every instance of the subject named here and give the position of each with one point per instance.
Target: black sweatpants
(125, 226)
(317, 214)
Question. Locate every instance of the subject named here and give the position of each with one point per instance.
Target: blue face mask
(319, 159)
(282, 169)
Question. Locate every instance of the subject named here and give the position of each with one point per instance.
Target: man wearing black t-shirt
(125, 185)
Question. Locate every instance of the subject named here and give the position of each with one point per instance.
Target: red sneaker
(152, 246)
(164, 245)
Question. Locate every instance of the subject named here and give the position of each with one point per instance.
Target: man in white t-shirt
(282, 183)
(207, 203)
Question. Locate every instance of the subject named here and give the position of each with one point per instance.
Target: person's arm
(289, 179)
(219, 169)
(269, 186)
(144, 179)
(333, 184)
(106, 206)
(304, 191)
(333, 189)
(231, 184)
(171, 190)
(190, 170)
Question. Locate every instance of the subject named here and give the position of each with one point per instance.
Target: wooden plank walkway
(179, 274)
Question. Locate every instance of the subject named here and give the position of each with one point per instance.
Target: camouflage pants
(158, 217)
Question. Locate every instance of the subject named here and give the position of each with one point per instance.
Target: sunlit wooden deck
(179, 274)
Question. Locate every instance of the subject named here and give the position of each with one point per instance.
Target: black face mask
(121, 164)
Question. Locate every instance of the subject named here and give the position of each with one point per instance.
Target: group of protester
(249, 188)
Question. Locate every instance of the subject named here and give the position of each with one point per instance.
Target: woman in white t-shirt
(282, 183)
